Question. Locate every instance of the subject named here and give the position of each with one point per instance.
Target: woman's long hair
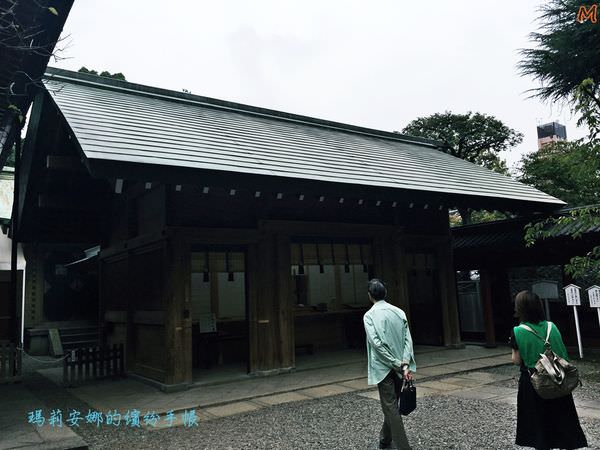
(528, 307)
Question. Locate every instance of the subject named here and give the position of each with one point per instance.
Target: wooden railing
(92, 363)
(10, 363)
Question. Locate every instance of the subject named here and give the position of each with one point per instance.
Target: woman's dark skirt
(546, 424)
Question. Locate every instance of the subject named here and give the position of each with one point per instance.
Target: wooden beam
(325, 229)
(214, 236)
(124, 247)
(65, 202)
(252, 182)
(64, 163)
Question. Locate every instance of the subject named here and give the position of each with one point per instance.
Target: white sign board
(594, 296)
(572, 295)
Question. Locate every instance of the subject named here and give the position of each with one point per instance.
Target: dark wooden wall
(146, 283)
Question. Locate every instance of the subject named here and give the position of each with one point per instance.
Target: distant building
(551, 132)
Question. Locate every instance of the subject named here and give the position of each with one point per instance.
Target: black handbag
(407, 399)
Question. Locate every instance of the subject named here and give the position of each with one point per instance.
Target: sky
(377, 64)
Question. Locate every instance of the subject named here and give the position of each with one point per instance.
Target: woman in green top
(542, 424)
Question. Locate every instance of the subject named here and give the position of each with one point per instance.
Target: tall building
(551, 132)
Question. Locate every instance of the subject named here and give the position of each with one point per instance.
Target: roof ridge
(53, 73)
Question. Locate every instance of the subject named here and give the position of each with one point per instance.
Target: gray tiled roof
(126, 122)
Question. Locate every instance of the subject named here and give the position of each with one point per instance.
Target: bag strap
(548, 332)
(531, 330)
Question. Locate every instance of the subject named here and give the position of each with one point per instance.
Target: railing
(92, 363)
(10, 363)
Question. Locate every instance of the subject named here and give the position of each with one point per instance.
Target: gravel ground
(345, 422)
(589, 370)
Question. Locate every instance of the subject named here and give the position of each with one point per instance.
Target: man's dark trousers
(392, 428)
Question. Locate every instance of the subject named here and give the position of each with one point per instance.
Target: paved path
(252, 393)
(16, 432)
(344, 375)
(480, 385)
(220, 400)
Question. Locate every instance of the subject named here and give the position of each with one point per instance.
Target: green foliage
(567, 64)
(566, 51)
(116, 76)
(476, 137)
(455, 219)
(569, 171)
(477, 217)
(488, 216)
(566, 60)
(574, 224)
(106, 74)
(86, 70)
(53, 10)
(17, 112)
(586, 104)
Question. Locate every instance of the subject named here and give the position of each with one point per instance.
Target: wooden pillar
(130, 357)
(447, 280)
(488, 310)
(400, 274)
(390, 267)
(383, 263)
(101, 305)
(284, 303)
(270, 309)
(178, 318)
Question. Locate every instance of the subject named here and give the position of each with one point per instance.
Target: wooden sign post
(594, 296)
(574, 299)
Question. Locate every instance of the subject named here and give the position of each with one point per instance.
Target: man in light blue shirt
(390, 357)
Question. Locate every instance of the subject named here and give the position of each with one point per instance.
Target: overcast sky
(378, 64)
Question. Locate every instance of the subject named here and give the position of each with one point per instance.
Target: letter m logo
(587, 13)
